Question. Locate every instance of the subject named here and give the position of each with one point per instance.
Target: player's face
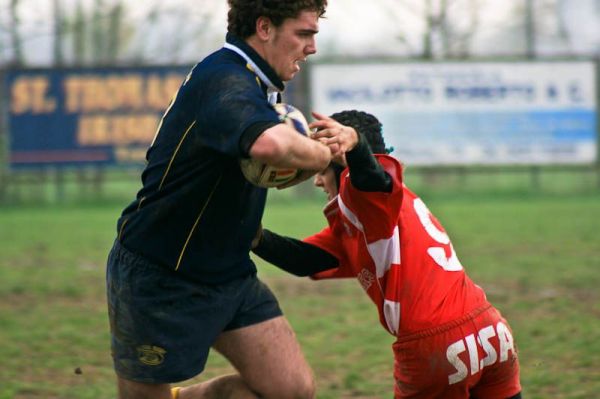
(326, 180)
(291, 43)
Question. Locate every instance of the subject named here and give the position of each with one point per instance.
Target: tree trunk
(98, 34)
(79, 34)
(58, 34)
(15, 36)
(529, 30)
(444, 29)
(113, 35)
(428, 35)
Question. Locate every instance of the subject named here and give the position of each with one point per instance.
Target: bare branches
(84, 32)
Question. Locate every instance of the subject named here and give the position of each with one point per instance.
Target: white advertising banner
(471, 113)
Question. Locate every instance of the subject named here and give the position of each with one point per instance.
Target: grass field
(536, 255)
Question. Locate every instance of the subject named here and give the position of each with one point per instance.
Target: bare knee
(306, 388)
(269, 359)
(302, 387)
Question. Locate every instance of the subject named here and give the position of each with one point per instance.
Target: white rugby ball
(263, 175)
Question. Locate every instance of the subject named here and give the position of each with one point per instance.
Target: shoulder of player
(385, 159)
(230, 76)
(390, 164)
(221, 65)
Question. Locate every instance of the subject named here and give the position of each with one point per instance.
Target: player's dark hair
(242, 16)
(366, 124)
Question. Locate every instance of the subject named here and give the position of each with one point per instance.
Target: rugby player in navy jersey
(179, 276)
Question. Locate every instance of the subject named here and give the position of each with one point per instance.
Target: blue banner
(93, 116)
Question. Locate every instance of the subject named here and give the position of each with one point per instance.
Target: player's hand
(334, 149)
(300, 177)
(338, 137)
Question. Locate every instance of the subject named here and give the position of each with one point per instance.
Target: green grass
(536, 255)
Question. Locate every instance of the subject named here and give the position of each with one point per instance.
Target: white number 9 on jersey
(438, 254)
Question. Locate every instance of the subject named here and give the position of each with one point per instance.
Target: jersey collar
(262, 69)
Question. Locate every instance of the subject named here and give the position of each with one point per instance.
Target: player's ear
(263, 28)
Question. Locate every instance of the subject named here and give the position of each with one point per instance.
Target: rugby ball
(263, 175)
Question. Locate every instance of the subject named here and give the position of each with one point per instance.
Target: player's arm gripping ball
(263, 175)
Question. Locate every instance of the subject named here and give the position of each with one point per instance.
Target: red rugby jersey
(400, 254)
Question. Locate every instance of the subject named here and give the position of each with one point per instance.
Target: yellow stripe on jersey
(196, 222)
(175, 154)
(122, 228)
(173, 99)
(127, 220)
(256, 76)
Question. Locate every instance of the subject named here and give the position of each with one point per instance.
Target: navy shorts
(162, 326)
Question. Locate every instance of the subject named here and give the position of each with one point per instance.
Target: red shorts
(472, 357)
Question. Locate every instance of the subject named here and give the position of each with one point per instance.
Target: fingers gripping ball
(263, 175)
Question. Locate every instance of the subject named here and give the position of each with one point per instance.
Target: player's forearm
(366, 174)
(305, 154)
(293, 256)
(283, 147)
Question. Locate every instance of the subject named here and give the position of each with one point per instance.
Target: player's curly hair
(366, 124)
(242, 16)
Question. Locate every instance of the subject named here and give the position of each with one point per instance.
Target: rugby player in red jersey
(451, 342)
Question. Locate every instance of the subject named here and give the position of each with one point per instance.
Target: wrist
(360, 145)
(354, 140)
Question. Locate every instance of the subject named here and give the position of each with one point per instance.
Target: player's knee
(307, 388)
(302, 387)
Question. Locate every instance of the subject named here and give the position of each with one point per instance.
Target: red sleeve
(375, 213)
(327, 241)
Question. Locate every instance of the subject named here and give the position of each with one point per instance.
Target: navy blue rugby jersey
(196, 214)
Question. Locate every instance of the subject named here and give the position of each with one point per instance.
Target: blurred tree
(96, 34)
(543, 27)
(58, 53)
(563, 31)
(78, 34)
(179, 31)
(434, 29)
(3, 45)
(114, 35)
(147, 25)
(98, 43)
(14, 23)
(429, 28)
(449, 26)
(173, 33)
(530, 36)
